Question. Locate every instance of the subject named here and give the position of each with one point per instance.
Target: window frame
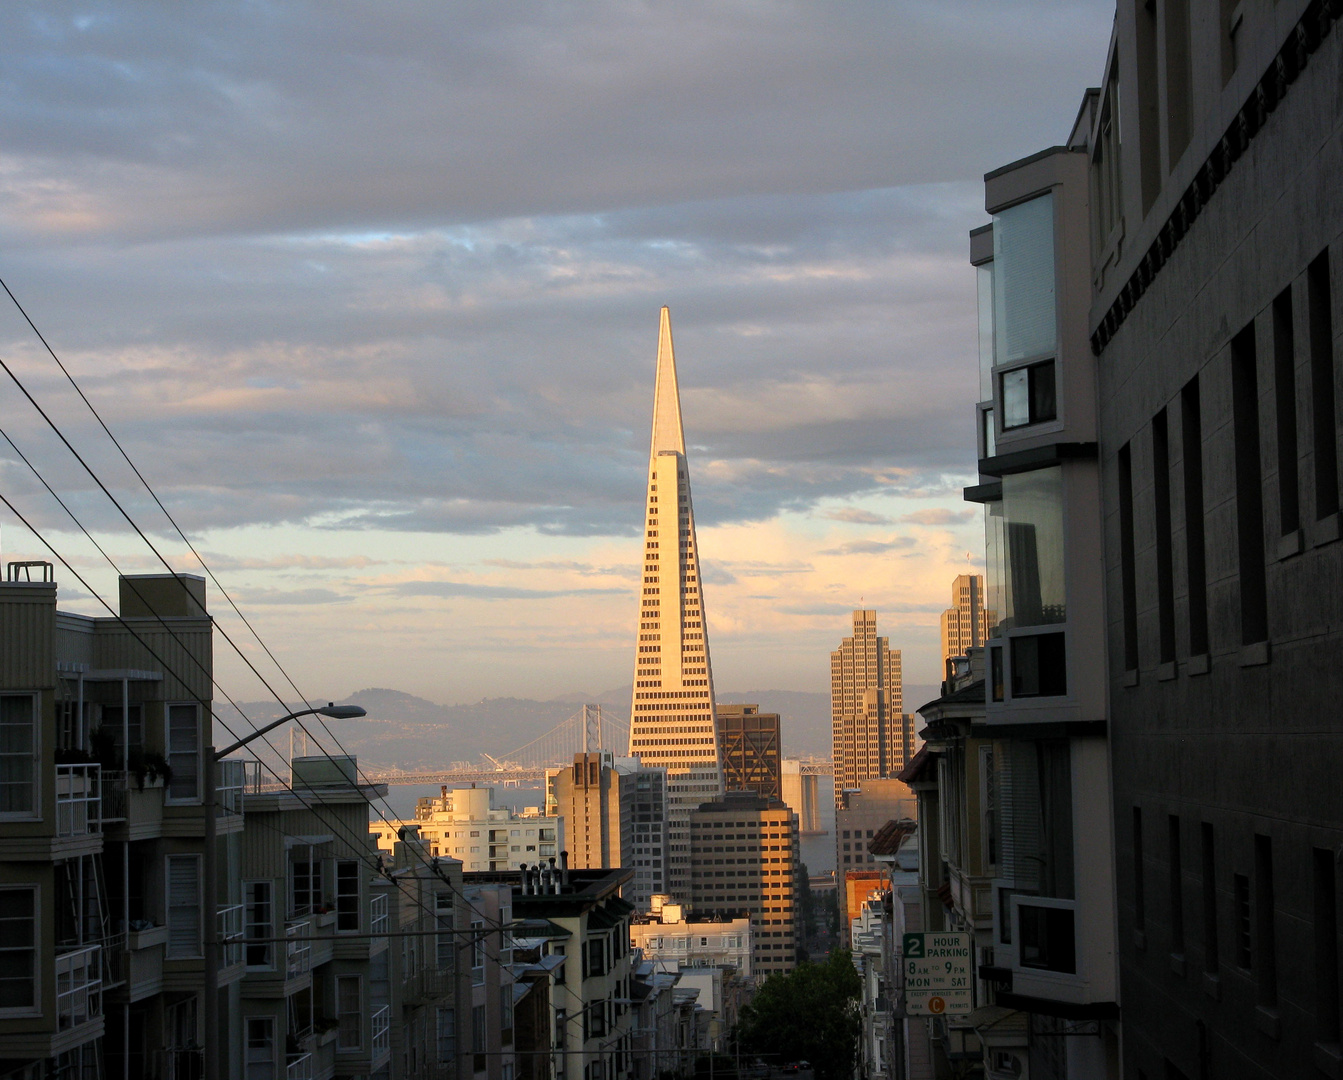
(273, 1063)
(169, 798)
(1027, 366)
(344, 910)
(34, 812)
(344, 979)
(168, 907)
(35, 1009)
(268, 926)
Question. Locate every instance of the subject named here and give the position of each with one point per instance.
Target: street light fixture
(210, 872)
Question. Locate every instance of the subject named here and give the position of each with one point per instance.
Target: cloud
(854, 516)
(939, 516)
(290, 596)
(479, 591)
(871, 547)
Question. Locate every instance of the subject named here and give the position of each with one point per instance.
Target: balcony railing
(230, 935)
(78, 799)
(298, 951)
(230, 782)
(377, 907)
(382, 1029)
(182, 1063)
(253, 777)
(299, 1067)
(79, 986)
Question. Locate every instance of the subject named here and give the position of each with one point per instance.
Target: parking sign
(937, 975)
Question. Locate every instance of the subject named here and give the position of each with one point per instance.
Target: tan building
(465, 824)
(672, 941)
(802, 792)
(862, 812)
(672, 721)
(744, 852)
(872, 736)
(965, 625)
(614, 814)
(748, 741)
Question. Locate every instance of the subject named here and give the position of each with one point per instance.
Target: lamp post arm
(221, 754)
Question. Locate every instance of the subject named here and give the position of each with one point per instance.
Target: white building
(668, 940)
(466, 825)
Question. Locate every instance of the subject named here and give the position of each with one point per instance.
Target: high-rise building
(872, 735)
(672, 722)
(965, 624)
(802, 792)
(748, 741)
(745, 855)
(615, 815)
(466, 824)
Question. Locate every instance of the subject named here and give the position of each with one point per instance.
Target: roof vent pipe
(564, 868)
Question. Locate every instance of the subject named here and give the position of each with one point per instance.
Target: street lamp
(210, 873)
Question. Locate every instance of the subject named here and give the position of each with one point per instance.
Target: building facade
(1215, 314)
(749, 747)
(745, 852)
(965, 623)
(802, 792)
(666, 937)
(672, 719)
(614, 814)
(864, 810)
(871, 736)
(464, 824)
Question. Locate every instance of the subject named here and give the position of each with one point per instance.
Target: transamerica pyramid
(672, 719)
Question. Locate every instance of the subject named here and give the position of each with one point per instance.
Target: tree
(810, 1014)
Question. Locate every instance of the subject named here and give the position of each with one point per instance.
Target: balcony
(298, 950)
(79, 986)
(79, 809)
(230, 783)
(377, 908)
(431, 984)
(181, 1063)
(299, 1067)
(382, 1031)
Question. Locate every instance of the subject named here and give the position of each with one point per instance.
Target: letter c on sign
(936, 1006)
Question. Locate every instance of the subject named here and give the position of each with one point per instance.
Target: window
(184, 905)
(1266, 973)
(1176, 889)
(1024, 321)
(1039, 666)
(349, 1013)
(130, 732)
(1249, 489)
(478, 952)
(1319, 298)
(1179, 92)
(479, 1037)
(347, 895)
(558, 950)
(561, 1028)
(1024, 542)
(1284, 387)
(1139, 895)
(447, 1036)
(1165, 564)
(1191, 424)
(305, 877)
(18, 755)
(1127, 564)
(259, 922)
(984, 290)
(184, 753)
(260, 1060)
(1241, 890)
(506, 1014)
(443, 919)
(1326, 946)
(1028, 395)
(1210, 956)
(18, 948)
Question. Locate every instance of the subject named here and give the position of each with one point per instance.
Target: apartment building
(1046, 708)
(613, 812)
(744, 858)
(965, 624)
(316, 1000)
(464, 824)
(102, 828)
(667, 937)
(591, 968)
(1214, 319)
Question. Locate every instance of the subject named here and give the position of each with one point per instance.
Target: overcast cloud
(389, 274)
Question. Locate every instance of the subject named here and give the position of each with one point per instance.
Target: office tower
(744, 857)
(870, 730)
(672, 724)
(466, 824)
(965, 624)
(748, 741)
(615, 815)
(801, 791)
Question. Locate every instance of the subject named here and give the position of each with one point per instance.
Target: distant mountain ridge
(407, 732)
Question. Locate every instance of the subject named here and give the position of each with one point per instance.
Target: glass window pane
(984, 280)
(18, 742)
(184, 741)
(1043, 406)
(1016, 398)
(1023, 281)
(1024, 546)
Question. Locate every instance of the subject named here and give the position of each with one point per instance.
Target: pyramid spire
(667, 433)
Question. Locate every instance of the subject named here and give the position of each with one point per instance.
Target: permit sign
(937, 974)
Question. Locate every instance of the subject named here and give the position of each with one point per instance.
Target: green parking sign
(936, 969)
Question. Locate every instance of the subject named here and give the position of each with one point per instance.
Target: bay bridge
(592, 728)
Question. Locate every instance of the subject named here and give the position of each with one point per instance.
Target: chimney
(564, 868)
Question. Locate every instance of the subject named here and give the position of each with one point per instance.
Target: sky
(370, 294)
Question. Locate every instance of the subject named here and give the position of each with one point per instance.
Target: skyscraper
(750, 748)
(866, 707)
(965, 623)
(672, 721)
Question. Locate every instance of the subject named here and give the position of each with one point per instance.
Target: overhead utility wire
(185, 539)
(355, 839)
